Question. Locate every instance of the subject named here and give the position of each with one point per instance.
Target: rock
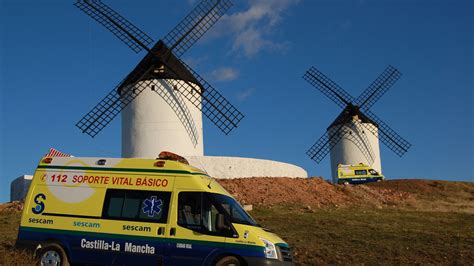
(248, 207)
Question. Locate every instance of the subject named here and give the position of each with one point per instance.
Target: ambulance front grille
(286, 254)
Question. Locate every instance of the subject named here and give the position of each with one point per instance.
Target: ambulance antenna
(210, 181)
(201, 166)
(205, 171)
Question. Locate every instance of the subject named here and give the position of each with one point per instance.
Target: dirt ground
(8, 207)
(318, 193)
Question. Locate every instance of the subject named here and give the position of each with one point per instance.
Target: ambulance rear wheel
(228, 261)
(52, 255)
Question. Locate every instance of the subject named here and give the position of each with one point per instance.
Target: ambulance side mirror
(221, 222)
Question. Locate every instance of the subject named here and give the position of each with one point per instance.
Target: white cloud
(225, 74)
(243, 95)
(252, 28)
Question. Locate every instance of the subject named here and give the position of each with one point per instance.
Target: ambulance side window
(360, 172)
(136, 205)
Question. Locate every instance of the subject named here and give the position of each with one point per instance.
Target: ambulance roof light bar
(166, 155)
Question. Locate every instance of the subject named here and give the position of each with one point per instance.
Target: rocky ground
(318, 193)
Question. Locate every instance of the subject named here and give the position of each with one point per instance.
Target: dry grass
(9, 222)
(16, 258)
(372, 236)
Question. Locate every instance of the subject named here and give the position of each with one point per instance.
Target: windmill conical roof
(161, 56)
(348, 113)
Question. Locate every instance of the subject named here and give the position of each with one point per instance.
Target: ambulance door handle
(172, 231)
(161, 231)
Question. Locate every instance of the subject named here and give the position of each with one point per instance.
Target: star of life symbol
(152, 206)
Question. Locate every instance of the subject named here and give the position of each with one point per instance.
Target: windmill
(163, 99)
(354, 135)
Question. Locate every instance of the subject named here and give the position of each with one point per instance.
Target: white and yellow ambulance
(109, 211)
(357, 174)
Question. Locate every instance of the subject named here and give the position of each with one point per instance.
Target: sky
(56, 64)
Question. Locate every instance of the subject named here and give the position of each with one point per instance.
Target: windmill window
(360, 172)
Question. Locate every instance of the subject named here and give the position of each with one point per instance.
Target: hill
(418, 194)
(391, 222)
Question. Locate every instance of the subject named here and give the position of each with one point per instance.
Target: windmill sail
(326, 142)
(194, 25)
(328, 87)
(387, 135)
(214, 106)
(123, 29)
(378, 88)
(112, 104)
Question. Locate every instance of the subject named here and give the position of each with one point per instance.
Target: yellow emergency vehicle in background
(113, 211)
(357, 174)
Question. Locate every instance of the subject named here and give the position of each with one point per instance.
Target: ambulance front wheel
(228, 261)
(52, 254)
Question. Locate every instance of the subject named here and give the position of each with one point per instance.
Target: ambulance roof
(120, 164)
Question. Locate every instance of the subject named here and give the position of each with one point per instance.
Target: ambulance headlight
(270, 249)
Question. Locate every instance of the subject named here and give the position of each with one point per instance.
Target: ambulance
(115, 211)
(357, 174)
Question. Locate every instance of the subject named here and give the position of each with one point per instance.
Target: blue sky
(56, 64)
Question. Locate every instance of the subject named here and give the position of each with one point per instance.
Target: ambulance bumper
(285, 258)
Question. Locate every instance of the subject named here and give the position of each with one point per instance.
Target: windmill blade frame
(325, 143)
(123, 29)
(112, 104)
(378, 88)
(387, 135)
(328, 87)
(212, 104)
(195, 25)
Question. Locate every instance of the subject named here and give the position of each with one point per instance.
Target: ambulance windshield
(233, 209)
(373, 172)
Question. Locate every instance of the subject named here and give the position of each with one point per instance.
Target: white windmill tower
(172, 122)
(353, 137)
